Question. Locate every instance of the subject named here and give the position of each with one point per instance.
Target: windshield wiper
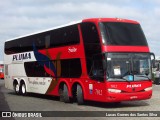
(117, 79)
(143, 76)
(125, 79)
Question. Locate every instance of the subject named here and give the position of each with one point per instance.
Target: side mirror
(153, 60)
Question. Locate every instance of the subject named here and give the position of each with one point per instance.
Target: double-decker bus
(97, 59)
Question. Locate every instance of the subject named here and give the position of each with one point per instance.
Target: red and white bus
(98, 59)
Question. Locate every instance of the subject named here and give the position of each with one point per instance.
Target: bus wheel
(16, 88)
(65, 94)
(61, 95)
(23, 89)
(80, 99)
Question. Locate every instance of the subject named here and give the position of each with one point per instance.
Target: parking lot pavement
(36, 102)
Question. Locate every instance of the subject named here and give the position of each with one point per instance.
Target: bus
(1, 71)
(94, 59)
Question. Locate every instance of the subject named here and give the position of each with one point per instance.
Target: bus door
(97, 74)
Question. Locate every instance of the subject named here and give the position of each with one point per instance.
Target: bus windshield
(119, 33)
(128, 66)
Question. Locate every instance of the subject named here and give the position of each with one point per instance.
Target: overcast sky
(20, 17)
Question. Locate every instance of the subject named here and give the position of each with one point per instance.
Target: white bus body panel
(14, 70)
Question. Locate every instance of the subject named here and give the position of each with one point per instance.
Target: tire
(80, 98)
(23, 89)
(16, 88)
(61, 95)
(64, 94)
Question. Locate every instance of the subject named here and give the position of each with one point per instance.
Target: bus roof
(76, 22)
(109, 20)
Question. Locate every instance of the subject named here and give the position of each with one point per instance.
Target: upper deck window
(59, 37)
(122, 34)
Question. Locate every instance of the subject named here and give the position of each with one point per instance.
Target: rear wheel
(64, 94)
(23, 89)
(16, 88)
(80, 99)
(61, 95)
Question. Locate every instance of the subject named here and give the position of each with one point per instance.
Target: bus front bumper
(118, 97)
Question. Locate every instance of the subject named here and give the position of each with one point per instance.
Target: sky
(21, 17)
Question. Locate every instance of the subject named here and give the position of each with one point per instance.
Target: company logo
(134, 86)
(22, 56)
(53, 69)
(6, 114)
(72, 49)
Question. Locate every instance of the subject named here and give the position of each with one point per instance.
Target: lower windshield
(128, 66)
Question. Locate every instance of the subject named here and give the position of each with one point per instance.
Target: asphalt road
(9, 101)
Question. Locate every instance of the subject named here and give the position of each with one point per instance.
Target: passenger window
(89, 33)
(47, 41)
(97, 71)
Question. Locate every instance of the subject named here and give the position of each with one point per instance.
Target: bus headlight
(148, 89)
(114, 90)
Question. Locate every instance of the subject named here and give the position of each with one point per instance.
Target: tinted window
(47, 41)
(65, 36)
(59, 37)
(90, 33)
(91, 43)
(75, 68)
(38, 40)
(118, 33)
(97, 71)
(70, 68)
(35, 69)
(65, 68)
(23, 44)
